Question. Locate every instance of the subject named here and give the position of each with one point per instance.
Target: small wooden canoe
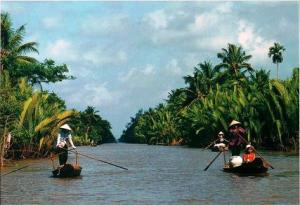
(68, 170)
(258, 166)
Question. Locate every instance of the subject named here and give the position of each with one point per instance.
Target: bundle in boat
(257, 166)
(68, 170)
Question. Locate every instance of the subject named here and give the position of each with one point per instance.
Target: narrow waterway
(156, 175)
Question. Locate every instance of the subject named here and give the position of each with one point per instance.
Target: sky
(128, 56)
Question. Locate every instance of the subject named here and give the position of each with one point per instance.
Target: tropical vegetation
(29, 114)
(216, 94)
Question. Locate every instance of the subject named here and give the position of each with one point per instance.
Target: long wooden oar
(212, 161)
(15, 170)
(99, 160)
(263, 159)
(257, 153)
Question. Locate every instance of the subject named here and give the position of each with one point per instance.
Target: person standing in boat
(64, 140)
(236, 136)
(249, 154)
(221, 142)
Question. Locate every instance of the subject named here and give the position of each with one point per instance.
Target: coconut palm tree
(204, 78)
(234, 59)
(13, 50)
(276, 53)
(89, 118)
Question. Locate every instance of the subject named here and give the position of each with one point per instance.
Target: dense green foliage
(33, 117)
(91, 127)
(215, 95)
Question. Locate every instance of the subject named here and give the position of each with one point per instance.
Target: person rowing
(221, 142)
(236, 137)
(64, 139)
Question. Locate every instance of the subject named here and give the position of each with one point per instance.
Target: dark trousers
(62, 154)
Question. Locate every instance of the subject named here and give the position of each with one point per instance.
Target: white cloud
(50, 22)
(225, 7)
(173, 68)
(126, 77)
(114, 24)
(257, 45)
(157, 19)
(210, 31)
(144, 74)
(191, 59)
(213, 43)
(95, 94)
(203, 22)
(100, 58)
(61, 49)
(149, 70)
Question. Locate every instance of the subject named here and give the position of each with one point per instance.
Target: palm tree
(89, 118)
(40, 121)
(204, 78)
(234, 59)
(260, 80)
(13, 50)
(276, 53)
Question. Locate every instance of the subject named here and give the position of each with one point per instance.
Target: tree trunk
(2, 151)
(277, 69)
(87, 133)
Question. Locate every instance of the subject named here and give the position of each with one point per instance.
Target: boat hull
(256, 167)
(68, 170)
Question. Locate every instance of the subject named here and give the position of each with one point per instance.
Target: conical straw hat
(221, 133)
(66, 127)
(234, 122)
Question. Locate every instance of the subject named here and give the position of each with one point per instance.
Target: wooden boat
(258, 166)
(68, 170)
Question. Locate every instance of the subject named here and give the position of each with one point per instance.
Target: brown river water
(156, 175)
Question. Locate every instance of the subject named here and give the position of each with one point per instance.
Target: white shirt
(64, 138)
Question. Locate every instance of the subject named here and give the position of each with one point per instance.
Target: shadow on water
(67, 178)
(267, 174)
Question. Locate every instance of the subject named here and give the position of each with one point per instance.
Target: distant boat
(68, 170)
(93, 144)
(258, 166)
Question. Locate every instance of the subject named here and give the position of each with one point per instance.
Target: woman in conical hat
(236, 134)
(64, 139)
(234, 122)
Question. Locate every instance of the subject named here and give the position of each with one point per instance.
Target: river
(156, 175)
